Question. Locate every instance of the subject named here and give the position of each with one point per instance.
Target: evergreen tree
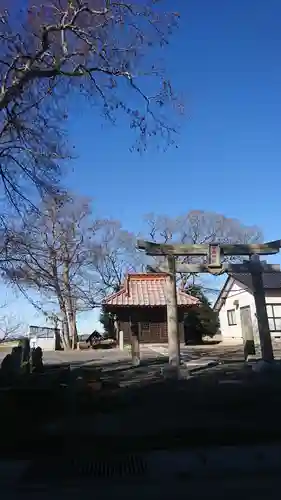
(106, 318)
(107, 322)
(201, 321)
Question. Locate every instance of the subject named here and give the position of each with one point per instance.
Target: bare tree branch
(101, 49)
(117, 256)
(199, 226)
(69, 258)
(10, 326)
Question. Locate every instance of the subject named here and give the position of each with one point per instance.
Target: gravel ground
(227, 404)
(141, 406)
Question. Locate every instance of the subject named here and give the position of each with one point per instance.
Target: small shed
(95, 335)
(47, 338)
(141, 307)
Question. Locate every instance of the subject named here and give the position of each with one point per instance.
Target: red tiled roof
(146, 290)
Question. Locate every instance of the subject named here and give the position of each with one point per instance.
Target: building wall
(151, 324)
(45, 337)
(239, 292)
(45, 344)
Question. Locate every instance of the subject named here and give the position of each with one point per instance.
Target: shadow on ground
(117, 408)
(204, 342)
(232, 353)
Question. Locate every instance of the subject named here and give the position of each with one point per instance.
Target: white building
(45, 337)
(236, 306)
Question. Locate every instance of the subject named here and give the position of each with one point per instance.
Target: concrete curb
(199, 368)
(191, 365)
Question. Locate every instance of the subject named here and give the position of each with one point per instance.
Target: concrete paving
(89, 356)
(192, 356)
(220, 351)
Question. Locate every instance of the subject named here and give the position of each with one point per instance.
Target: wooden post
(121, 340)
(172, 315)
(116, 329)
(262, 318)
(135, 345)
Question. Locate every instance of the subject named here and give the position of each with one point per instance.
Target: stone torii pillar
(172, 314)
(256, 269)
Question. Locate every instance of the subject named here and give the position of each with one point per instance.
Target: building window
(231, 317)
(157, 326)
(145, 326)
(43, 332)
(274, 317)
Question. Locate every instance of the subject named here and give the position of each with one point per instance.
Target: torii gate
(214, 253)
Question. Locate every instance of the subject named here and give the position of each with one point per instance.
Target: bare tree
(106, 50)
(117, 256)
(47, 253)
(69, 258)
(10, 326)
(199, 226)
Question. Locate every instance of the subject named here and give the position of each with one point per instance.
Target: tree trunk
(65, 327)
(65, 333)
(71, 313)
(72, 328)
(75, 336)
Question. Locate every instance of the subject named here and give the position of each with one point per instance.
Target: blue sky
(225, 60)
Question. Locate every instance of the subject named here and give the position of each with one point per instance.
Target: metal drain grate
(61, 470)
